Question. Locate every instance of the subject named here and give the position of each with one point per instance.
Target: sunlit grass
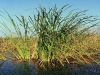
(64, 39)
(7, 46)
(20, 46)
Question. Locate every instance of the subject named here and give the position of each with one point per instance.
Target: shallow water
(86, 70)
(11, 67)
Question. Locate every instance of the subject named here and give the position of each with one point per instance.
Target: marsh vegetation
(50, 41)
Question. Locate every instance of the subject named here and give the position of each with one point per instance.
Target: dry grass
(6, 45)
(90, 47)
(58, 37)
(90, 44)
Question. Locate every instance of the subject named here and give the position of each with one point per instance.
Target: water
(11, 67)
(17, 67)
(86, 70)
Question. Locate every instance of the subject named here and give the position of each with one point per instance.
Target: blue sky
(28, 7)
(20, 6)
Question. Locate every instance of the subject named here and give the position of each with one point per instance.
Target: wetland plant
(58, 36)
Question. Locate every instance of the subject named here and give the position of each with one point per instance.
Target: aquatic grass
(53, 32)
(2, 46)
(23, 49)
(2, 57)
(57, 38)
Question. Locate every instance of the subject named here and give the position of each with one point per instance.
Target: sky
(28, 7)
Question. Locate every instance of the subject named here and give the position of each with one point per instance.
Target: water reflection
(17, 67)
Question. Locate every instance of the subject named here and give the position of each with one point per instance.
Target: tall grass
(3, 48)
(59, 36)
(19, 41)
